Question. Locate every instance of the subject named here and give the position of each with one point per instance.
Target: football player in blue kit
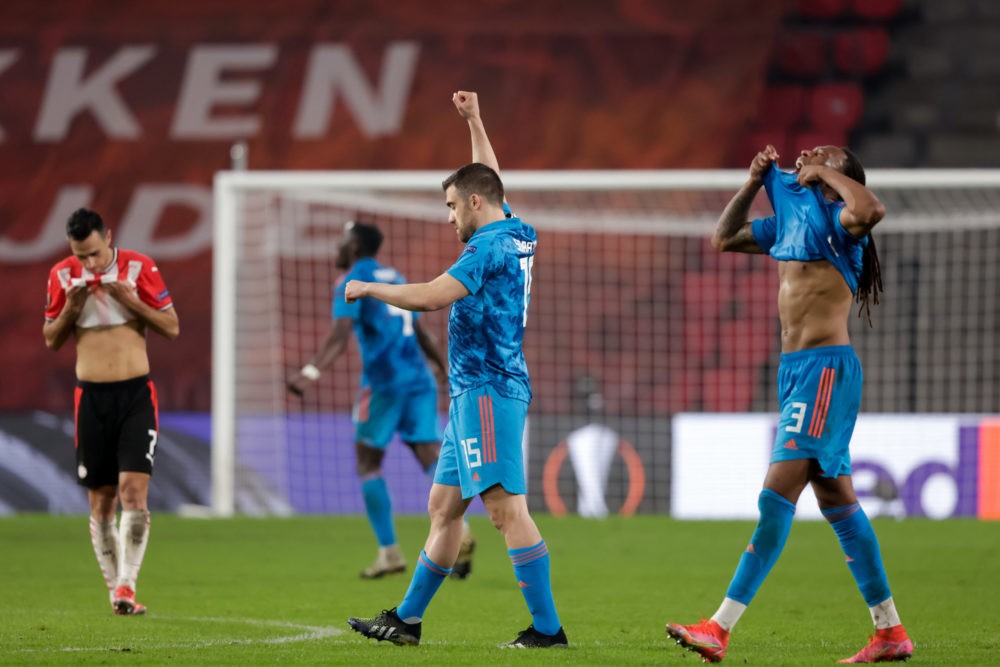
(820, 234)
(488, 289)
(398, 392)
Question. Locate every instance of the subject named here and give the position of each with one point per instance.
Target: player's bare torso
(111, 353)
(814, 304)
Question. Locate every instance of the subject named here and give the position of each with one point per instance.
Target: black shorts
(116, 429)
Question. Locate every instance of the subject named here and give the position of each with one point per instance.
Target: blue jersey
(486, 327)
(390, 354)
(805, 227)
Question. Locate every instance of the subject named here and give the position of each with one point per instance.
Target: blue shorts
(482, 443)
(413, 414)
(819, 391)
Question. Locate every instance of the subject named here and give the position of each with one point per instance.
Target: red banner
(129, 108)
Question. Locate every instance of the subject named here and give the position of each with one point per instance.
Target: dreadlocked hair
(870, 280)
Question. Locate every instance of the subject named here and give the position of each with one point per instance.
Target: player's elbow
(52, 340)
(724, 244)
(172, 331)
(434, 297)
(430, 302)
(870, 214)
(878, 212)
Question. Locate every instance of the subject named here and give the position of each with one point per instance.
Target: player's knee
(103, 502)
(368, 461)
(498, 521)
(368, 469)
(133, 494)
(436, 512)
(442, 512)
(506, 517)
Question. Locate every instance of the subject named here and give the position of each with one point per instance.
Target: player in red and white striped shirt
(107, 298)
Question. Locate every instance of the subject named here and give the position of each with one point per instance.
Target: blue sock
(378, 504)
(857, 539)
(531, 567)
(768, 540)
(427, 579)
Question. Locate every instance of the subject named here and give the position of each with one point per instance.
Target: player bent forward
(106, 298)
(488, 288)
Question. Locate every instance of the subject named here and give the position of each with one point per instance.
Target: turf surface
(256, 591)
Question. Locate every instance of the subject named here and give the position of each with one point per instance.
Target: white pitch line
(310, 633)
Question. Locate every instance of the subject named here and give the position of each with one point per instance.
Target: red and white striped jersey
(101, 309)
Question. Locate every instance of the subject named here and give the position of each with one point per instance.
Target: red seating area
(820, 60)
(881, 10)
(728, 334)
(861, 52)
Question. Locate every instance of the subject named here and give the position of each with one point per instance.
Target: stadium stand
(909, 83)
(936, 103)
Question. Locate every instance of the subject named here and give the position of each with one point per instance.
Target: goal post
(634, 319)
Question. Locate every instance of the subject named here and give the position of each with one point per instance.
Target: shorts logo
(81, 471)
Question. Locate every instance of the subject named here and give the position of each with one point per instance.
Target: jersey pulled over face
(805, 227)
(101, 309)
(391, 357)
(486, 328)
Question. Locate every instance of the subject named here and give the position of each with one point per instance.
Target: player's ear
(107, 236)
(475, 201)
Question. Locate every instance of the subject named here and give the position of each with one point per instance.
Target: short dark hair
(476, 178)
(82, 223)
(852, 166)
(369, 238)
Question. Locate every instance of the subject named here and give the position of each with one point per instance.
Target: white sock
(104, 537)
(134, 532)
(884, 615)
(391, 555)
(729, 612)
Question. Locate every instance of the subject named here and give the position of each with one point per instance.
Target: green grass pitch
(256, 591)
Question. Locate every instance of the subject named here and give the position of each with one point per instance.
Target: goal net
(635, 320)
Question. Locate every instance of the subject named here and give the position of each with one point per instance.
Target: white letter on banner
(333, 69)
(69, 93)
(7, 58)
(203, 88)
(52, 239)
(145, 210)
